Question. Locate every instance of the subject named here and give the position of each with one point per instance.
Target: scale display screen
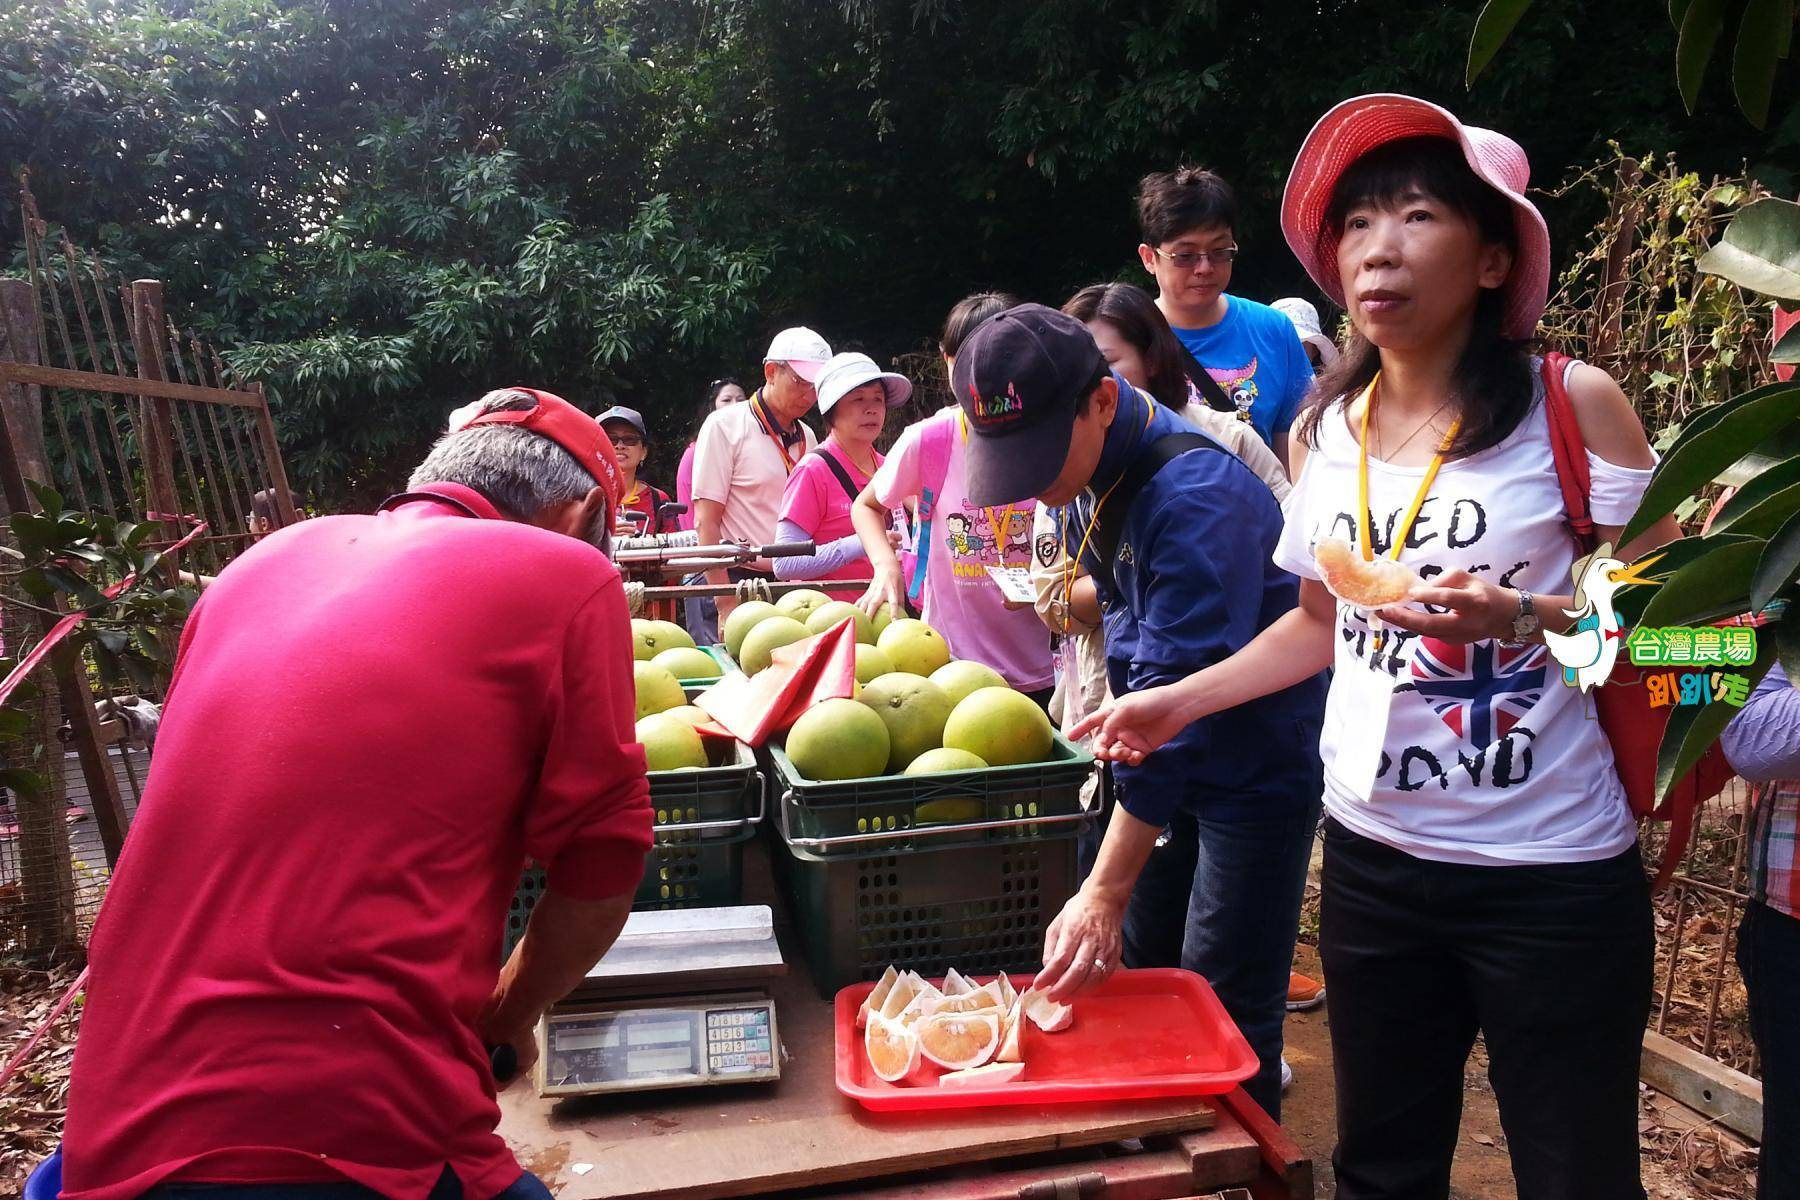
(673, 1045)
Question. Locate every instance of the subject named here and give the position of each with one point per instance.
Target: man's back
(373, 721)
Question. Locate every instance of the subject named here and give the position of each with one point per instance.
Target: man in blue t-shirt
(1250, 350)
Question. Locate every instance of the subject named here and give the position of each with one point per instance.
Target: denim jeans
(1768, 953)
(701, 613)
(1221, 897)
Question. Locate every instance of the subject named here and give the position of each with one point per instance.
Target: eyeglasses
(1187, 260)
(629, 441)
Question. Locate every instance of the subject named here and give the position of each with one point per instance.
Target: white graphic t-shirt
(1488, 757)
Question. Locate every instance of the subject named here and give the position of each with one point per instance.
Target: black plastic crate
(981, 909)
(912, 812)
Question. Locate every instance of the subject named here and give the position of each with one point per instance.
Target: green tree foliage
(394, 204)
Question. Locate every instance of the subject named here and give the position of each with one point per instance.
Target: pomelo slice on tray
(955, 983)
(1044, 1012)
(1011, 1049)
(1008, 993)
(900, 995)
(878, 997)
(984, 998)
(991, 1075)
(892, 1049)
(1364, 584)
(958, 1040)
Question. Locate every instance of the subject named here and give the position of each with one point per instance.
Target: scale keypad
(739, 1040)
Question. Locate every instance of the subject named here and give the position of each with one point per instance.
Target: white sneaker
(1287, 1074)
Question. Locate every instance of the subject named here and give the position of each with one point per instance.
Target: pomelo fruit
(657, 690)
(692, 714)
(945, 758)
(742, 620)
(827, 615)
(962, 676)
(992, 1075)
(769, 635)
(1364, 584)
(650, 638)
(801, 604)
(914, 710)
(1044, 1012)
(670, 743)
(839, 739)
(892, 1049)
(958, 1040)
(884, 616)
(1001, 727)
(914, 646)
(871, 663)
(688, 662)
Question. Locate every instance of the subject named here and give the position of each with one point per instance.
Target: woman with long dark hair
(702, 613)
(1481, 871)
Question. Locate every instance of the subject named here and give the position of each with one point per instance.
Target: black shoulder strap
(1208, 387)
(843, 476)
(1109, 526)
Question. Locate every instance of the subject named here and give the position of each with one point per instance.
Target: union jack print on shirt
(1480, 690)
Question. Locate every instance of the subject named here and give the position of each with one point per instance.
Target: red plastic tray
(1143, 1034)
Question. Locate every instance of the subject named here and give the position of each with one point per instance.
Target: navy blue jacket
(1196, 581)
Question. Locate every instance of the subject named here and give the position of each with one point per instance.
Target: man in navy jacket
(1190, 581)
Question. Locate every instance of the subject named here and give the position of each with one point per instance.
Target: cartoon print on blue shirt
(1239, 384)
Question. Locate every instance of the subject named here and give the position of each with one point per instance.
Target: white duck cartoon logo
(1588, 651)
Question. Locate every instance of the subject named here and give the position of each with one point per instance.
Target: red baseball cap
(567, 426)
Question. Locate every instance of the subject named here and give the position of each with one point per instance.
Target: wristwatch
(1526, 625)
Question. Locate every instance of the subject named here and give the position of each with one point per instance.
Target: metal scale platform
(679, 1001)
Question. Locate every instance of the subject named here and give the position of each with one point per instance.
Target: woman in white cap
(854, 398)
(1321, 351)
(1481, 871)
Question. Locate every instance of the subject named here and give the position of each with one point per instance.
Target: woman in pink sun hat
(1481, 871)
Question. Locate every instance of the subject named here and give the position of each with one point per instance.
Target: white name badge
(1014, 583)
(1361, 697)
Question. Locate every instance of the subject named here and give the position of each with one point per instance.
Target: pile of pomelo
(962, 1034)
(916, 711)
(663, 655)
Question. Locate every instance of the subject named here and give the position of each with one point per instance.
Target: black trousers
(1768, 953)
(1550, 964)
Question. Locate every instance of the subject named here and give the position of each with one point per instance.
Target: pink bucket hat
(1362, 123)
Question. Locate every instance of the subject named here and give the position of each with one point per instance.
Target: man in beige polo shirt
(745, 452)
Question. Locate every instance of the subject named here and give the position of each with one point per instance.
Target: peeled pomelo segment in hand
(876, 998)
(1044, 1012)
(892, 1049)
(1354, 581)
(991, 1075)
(958, 1040)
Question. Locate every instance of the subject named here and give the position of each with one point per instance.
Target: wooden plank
(1729, 1097)
(754, 1139)
(122, 385)
(1290, 1168)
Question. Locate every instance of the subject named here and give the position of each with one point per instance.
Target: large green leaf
(1760, 249)
(1714, 440)
(1492, 28)
(1759, 50)
(1779, 447)
(1778, 566)
(1630, 602)
(1701, 25)
(1691, 730)
(1761, 506)
(1716, 584)
(1787, 350)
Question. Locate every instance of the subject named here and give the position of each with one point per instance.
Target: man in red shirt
(374, 721)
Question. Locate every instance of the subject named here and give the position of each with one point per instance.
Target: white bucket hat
(844, 373)
(1306, 323)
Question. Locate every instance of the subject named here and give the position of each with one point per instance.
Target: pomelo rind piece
(874, 1000)
(992, 1075)
(1044, 1012)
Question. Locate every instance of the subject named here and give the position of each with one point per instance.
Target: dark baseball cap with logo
(1018, 377)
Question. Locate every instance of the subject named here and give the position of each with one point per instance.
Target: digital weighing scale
(674, 1003)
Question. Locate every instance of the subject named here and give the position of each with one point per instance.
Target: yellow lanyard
(1362, 482)
(631, 497)
(1072, 563)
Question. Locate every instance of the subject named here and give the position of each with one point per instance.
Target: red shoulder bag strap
(1568, 449)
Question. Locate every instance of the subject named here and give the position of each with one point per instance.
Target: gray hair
(522, 473)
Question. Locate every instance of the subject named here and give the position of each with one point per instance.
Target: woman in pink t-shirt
(720, 393)
(854, 398)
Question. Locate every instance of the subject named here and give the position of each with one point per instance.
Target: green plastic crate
(910, 812)
(981, 909)
(701, 820)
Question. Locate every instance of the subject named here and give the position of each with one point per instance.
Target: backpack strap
(837, 469)
(1568, 449)
(936, 441)
(1205, 384)
(1109, 523)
